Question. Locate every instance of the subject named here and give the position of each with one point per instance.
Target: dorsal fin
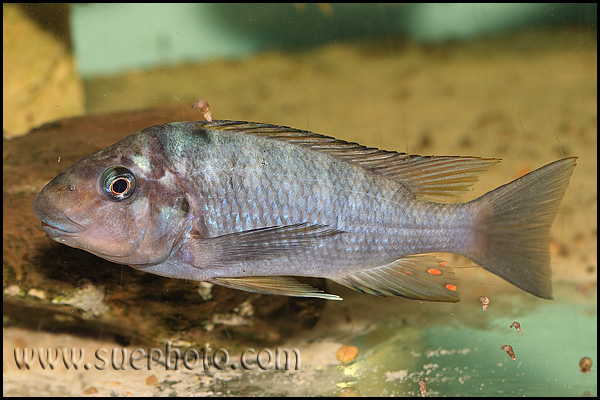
(428, 177)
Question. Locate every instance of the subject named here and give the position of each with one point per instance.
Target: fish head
(120, 207)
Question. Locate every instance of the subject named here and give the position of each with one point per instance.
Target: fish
(252, 206)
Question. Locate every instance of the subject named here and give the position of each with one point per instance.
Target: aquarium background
(517, 82)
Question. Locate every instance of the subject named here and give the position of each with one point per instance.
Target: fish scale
(288, 202)
(237, 165)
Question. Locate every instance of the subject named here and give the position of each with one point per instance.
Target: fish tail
(511, 231)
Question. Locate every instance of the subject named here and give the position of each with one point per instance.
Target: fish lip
(54, 221)
(54, 231)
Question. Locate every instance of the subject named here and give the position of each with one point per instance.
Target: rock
(40, 82)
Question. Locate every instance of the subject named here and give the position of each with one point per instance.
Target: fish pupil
(118, 183)
(119, 186)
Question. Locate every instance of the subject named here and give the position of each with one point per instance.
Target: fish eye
(118, 183)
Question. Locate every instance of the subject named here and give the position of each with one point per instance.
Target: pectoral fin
(281, 285)
(258, 244)
(415, 277)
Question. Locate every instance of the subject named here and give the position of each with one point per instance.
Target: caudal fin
(511, 235)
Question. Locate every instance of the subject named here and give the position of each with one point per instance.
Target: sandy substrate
(528, 98)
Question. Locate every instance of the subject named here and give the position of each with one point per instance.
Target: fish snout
(54, 221)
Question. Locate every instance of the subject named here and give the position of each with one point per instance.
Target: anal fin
(414, 277)
(281, 285)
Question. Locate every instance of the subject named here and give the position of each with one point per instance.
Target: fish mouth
(54, 221)
(53, 230)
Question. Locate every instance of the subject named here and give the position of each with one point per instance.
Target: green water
(456, 349)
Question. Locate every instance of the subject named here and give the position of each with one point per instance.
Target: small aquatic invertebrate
(585, 364)
(517, 326)
(346, 354)
(204, 108)
(509, 350)
(485, 302)
(422, 387)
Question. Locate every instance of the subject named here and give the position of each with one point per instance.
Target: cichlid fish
(248, 205)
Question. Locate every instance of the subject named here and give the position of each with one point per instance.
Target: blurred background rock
(40, 81)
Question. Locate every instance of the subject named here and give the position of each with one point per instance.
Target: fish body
(249, 205)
